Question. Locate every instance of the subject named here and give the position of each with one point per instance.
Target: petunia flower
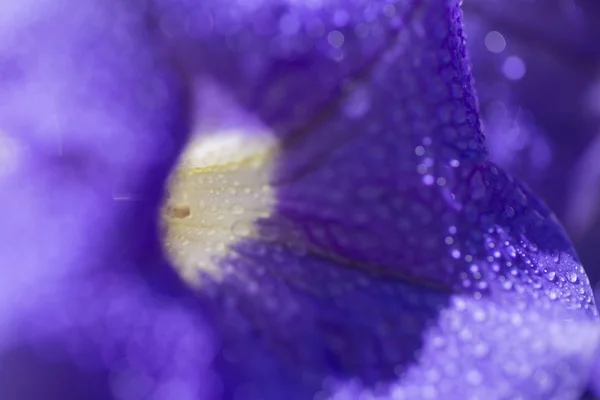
(334, 229)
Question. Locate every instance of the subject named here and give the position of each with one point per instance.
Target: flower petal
(95, 116)
(294, 325)
(401, 156)
(392, 231)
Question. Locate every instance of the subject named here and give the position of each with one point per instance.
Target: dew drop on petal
(514, 68)
(357, 103)
(495, 42)
(335, 39)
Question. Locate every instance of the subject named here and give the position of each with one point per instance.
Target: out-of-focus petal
(585, 191)
(92, 116)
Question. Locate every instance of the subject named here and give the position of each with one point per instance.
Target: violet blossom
(378, 253)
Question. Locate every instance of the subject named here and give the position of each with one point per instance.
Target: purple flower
(336, 231)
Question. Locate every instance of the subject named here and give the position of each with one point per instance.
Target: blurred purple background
(537, 70)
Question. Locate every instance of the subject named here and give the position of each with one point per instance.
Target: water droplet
(533, 247)
(479, 315)
(335, 39)
(511, 251)
(241, 228)
(480, 350)
(495, 42)
(237, 209)
(474, 377)
(357, 103)
(507, 285)
(428, 180)
(514, 68)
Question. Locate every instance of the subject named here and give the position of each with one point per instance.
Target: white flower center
(217, 192)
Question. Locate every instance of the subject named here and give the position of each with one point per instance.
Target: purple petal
(96, 117)
(399, 258)
(320, 326)
(331, 310)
